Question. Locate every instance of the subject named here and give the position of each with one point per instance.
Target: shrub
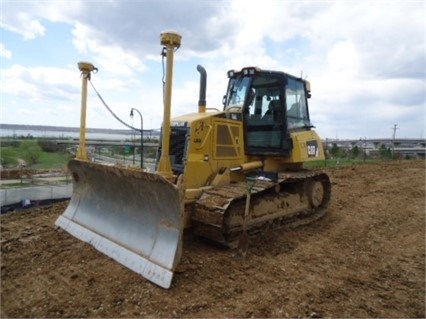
(49, 146)
(31, 152)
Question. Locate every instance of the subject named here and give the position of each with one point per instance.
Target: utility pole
(395, 127)
(365, 149)
(131, 115)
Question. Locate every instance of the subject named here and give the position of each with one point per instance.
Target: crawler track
(296, 199)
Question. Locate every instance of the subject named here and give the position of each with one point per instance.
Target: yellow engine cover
(307, 147)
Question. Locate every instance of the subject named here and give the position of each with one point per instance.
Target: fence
(31, 195)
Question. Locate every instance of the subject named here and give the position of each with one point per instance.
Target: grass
(336, 162)
(51, 160)
(45, 160)
(57, 160)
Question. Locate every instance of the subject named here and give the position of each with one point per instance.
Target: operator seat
(273, 108)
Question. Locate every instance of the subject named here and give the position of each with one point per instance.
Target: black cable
(113, 114)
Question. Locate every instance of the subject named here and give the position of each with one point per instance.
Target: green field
(45, 154)
(337, 162)
(52, 160)
(33, 154)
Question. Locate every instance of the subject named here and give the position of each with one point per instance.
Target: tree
(7, 157)
(385, 153)
(31, 152)
(335, 151)
(49, 146)
(355, 152)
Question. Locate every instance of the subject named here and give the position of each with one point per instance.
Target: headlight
(249, 71)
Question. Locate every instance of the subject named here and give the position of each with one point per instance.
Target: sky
(365, 60)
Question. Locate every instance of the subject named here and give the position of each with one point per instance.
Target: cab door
(265, 122)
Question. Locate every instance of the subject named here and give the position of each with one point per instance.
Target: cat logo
(312, 148)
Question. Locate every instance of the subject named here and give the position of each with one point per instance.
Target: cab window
(297, 111)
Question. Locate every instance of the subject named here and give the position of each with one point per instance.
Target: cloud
(388, 37)
(39, 83)
(16, 18)
(365, 60)
(5, 53)
(111, 58)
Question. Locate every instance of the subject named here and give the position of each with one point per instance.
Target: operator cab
(273, 105)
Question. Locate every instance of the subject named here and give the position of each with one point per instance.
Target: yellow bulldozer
(223, 174)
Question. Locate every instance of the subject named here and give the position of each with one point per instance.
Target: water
(58, 134)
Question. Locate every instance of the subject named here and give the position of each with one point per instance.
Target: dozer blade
(129, 215)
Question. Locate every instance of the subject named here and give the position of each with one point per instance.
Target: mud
(364, 258)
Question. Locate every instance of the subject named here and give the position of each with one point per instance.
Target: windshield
(237, 90)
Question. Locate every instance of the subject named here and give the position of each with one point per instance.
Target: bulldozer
(224, 174)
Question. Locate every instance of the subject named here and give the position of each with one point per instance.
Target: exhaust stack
(203, 85)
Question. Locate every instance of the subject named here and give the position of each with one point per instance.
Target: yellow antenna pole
(171, 41)
(85, 68)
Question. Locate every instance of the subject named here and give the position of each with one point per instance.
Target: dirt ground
(365, 258)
